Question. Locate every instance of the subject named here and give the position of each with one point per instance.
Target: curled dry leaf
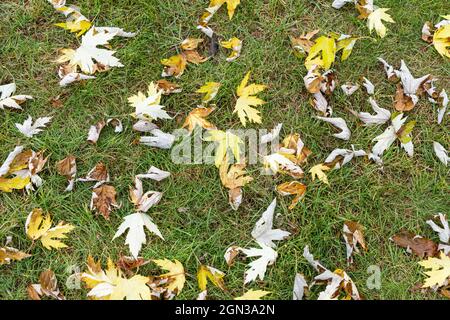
(98, 174)
(381, 115)
(103, 200)
(340, 124)
(340, 157)
(214, 275)
(47, 286)
(231, 253)
(278, 162)
(293, 148)
(8, 254)
(370, 88)
(168, 87)
(353, 236)
(444, 231)
(154, 174)
(292, 188)
(349, 88)
(300, 287)
(235, 45)
(75, 22)
(416, 244)
(302, 45)
(234, 178)
(159, 139)
(68, 168)
(441, 152)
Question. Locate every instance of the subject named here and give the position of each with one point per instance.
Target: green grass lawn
(403, 196)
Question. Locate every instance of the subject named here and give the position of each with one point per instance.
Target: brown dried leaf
(420, 246)
(68, 168)
(168, 87)
(104, 200)
(402, 101)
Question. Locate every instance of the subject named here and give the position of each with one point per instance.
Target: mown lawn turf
(403, 196)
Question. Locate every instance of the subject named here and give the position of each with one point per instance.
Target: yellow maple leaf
(197, 118)
(440, 270)
(253, 295)
(318, 171)
(112, 285)
(375, 21)
(38, 226)
(17, 183)
(322, 53)
(441, 40)
(175, 275)
(210, 89)
(226, 140)
(247, 98)
(214, 275)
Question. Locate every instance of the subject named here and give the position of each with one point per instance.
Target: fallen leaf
(439, 271)
(340, 124)
(47, 286)
(318, 171)
(353, 236)
(263, 231)
(38, 226)
(253, 295)
(292, 188)
(68, 168)
(210, 89)
(247, 99)
(418, 245)
(135, 224)
(197, 118)
(7, 100)
(257, 268)
(175, 275)
(375, 21)
(103, 200)
(8, 254)
(226, 141)
(235, 45)
(214, 275)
